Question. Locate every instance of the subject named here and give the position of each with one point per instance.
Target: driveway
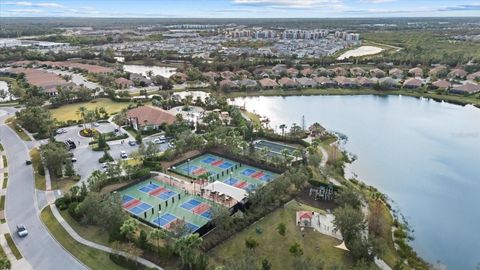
(38, 248)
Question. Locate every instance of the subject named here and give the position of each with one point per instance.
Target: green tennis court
(275, 148)
(217, 168)
(162, 205)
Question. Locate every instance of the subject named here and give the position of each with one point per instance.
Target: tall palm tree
(283, 127)
(82, 111)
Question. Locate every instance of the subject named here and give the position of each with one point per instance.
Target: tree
(82, 112)
(36, 120)
(5, 263)
(69, 169)
(296, 250)
(349, 221)
(138, 137)
(142, 240)
(187, 248)
(282, 229)
(266, 265)
(101, 142)
(157, 235)
(348, 196)
(55, 155)
(251, 243)
(283, 127)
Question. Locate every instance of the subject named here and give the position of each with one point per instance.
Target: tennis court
(230, 172)
(163, 205)
(275, 148)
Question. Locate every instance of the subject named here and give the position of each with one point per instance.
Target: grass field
(93, 258)
(39, 179)
(276, 247)
(69, 112)
(13, 247)
(14, 126)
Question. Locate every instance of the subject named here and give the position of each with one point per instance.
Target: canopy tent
(236, 193)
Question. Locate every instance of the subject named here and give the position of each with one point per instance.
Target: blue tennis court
(167, 195)
(207, 214)
(149, 187)
(208, 160)
(230, 181)
(192, 227)
(266, 177)
(190, 169)
(226, 165)
(189, 205)
(248, 172)
(140, 208)
(126, 198)
(164, 220)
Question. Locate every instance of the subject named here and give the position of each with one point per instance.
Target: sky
(240, 8)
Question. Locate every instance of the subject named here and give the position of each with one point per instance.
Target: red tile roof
(151, 116)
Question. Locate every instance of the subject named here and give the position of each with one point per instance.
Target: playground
(275, 148)
(163, 205)
(215, 168)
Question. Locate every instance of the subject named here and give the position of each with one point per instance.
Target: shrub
(73, 211)
(61, 203)
(41, 169)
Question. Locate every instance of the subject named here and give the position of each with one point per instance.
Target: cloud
(30, 4)
(26, 11)
(377, 1)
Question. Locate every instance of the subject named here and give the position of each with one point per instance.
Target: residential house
(212, 76)
(123, 83)
(468, 88)
(267, 83)
(227, 75)
(279, 69)
(149, 117)
(438, 71)
(242, 73)
(416, 72)
(345, 82)
(457, 73)
(325, 72)
(325, 81)
(287, 83)
(377, 73)
(339, 71)
(307, 72)
(357, 71)
(413, 83)
(179, 77)
(474, 76)
(306, 82)
(396, 73)
(441, 84)
(227, 85)
(365, 82)
(139, 79)
(292, 72)
(247, 84)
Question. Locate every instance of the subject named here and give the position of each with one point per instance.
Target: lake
(423, 154)
(157, 70)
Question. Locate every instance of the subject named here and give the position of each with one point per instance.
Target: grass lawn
(64, 184)
(5, 161)
(5, 182)
(39, 179)
(276, 247)
(91, 233)
(2, 203)
(13, 247)
(1, 147)
(14, 126)
(69, 112)
(93, 258)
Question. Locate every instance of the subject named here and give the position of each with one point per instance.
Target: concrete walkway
(81, 240)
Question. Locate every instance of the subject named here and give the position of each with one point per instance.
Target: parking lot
(87, 159)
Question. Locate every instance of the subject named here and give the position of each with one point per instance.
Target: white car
(22, 230)
(157, 141)
(61, 130)
(123, 154)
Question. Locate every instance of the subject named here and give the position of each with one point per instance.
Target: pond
(157, 70)
(423, 154)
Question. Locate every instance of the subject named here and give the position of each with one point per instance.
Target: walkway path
(81, 240)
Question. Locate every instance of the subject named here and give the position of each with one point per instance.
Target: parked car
(123, 154)
(61, 130)
(22, 230)
(28, 162)
(157, 141)
(70, 144)
(132, 143)
(96, 124)
(73, 159)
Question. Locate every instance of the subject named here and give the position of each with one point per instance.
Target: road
(38, 248)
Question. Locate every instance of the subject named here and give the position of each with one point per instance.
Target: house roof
(395, 71)
(324, 80)
(467, 88)
(287, 81)
(442, 84)
(474, 76)
(268, 83)
(413, 82)
(416, 71)
(151, 115)
(365, 81)
(306, 81)
(122, 80)
(458, 72)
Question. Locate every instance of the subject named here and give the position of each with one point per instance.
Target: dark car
(28, 162)
(70, 144)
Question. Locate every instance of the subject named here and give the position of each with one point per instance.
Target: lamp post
(158, 217)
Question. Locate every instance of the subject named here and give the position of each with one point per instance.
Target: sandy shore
(360, 51)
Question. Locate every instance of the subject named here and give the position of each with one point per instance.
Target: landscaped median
(38, 169)
(13, 247)
(15, 127)
(91, 257)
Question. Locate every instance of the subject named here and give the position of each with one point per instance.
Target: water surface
(423, 154)
(156, 70)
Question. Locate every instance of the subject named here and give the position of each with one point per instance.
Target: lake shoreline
(453, 99)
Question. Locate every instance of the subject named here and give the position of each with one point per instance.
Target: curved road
(38, 248)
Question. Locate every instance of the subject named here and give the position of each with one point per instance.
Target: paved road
(39, 248)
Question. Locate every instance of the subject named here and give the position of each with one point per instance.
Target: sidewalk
(81, 240)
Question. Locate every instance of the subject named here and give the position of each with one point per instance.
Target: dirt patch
(182, 157)
(113, 187)
(304, 198)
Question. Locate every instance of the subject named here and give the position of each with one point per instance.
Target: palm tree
(157, 234)
(149, 73)
(283, 127)
(186, 248)
(81, 111)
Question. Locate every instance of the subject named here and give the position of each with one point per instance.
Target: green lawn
(63, 184)
(69, 112)
(13, 247)
(91, 233)
(276, 247)
(1, 147)
(5, 161)
(39, 179)
(14, 126)
(93, 258)
(2, 203)
(5, 182)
